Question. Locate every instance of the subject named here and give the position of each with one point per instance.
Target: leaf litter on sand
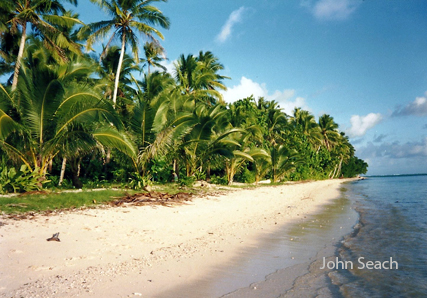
(153, 198)
(140, 199)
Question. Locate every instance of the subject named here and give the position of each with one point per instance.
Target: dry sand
(148, 250)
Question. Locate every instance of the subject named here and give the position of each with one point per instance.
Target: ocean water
(392, 224)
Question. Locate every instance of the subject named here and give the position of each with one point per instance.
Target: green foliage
(128, 19)
(95, 168)
(200, 175)
(219, 180)
(247, 176)
(120, 175)
(301, 173)
(53, 181)
(354, 167)
(187, 181)
(68, 112)
(13, 181)
(51, 113)
(95, 183)
(160, 170)
(54, 201)
(138, 182)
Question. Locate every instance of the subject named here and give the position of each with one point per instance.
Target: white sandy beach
(148, 250)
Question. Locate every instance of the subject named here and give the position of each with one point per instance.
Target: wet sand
(206, 248)
(311, 243)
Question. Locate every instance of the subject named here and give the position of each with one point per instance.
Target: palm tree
(275, 122)
(328, 130)
(197, 77)
(107, 73)
(242, 114)
(205, 135)
(240, 157)
(185, 69)
(58, 114)
(306, 124)
(209, 64)
(344, 151)
(152, 52)
(282, 160)
(128, 18)
(147, 123)
(9, 44)
(42, 15)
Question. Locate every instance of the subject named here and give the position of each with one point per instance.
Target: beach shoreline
(147, 250)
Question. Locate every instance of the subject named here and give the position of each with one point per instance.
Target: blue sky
(362, 62)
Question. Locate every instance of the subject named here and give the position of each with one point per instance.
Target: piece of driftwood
(55, 237)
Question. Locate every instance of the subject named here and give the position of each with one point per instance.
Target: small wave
(386, 230)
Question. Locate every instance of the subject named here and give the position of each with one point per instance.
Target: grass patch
(60, 200)
(50, 201)
(42, 202)
(174, 188)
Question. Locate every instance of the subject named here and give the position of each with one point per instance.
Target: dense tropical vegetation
(73, 119)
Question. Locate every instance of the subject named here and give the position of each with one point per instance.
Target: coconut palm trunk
(61, 177)
(339, 167)
(20, 54)
(39, 13)
(129, 17)
(119, 67)
(116, 85)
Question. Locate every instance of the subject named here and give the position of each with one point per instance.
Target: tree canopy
(74, 118)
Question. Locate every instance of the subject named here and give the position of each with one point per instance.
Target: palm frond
(118, 140)
(65, 21)
(7, 125)
(41, 94)
(6, 100)
(146, 30)
(241, 154)
(13, 151)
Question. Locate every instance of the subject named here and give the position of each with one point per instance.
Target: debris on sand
(55, 237)
(153, 198)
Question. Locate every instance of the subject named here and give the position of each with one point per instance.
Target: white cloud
(395, 157)
(235, 17)
(395, 149)
(419, 149)
(417, 108)
(247, 87)
(361, 124)
(332, 9)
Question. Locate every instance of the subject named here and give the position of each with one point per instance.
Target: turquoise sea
(392, 224)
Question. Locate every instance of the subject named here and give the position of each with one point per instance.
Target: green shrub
(248, 176)
(160, 170)
(138, 182)
(23, 180)
(94, 183)
(200, 175)
(222, 180)
(120, 175)
(53, 181)
(186, 181)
